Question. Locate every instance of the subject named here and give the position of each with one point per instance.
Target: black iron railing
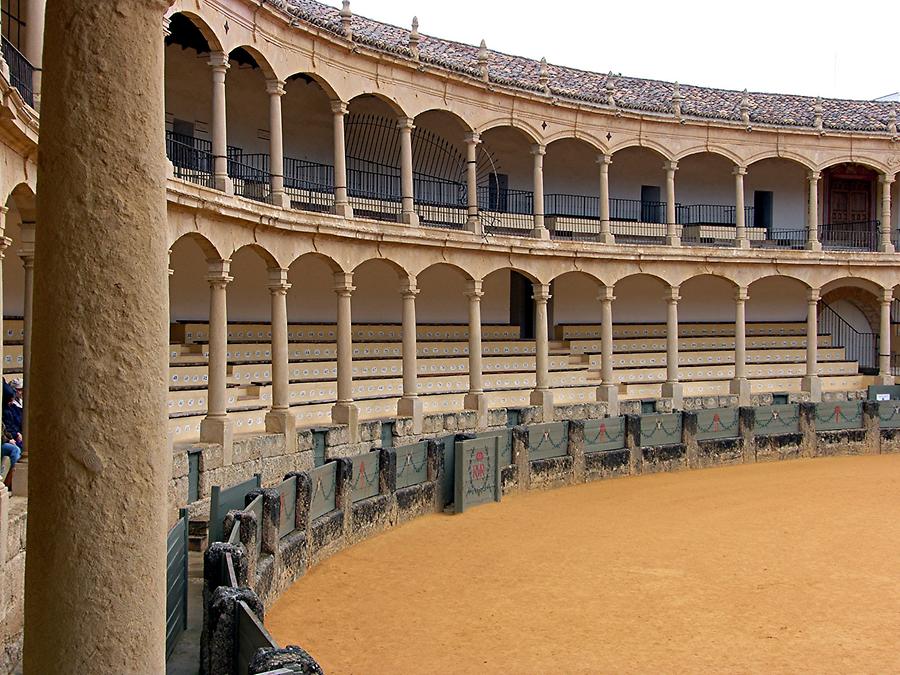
(572, 206)
(641, 232)
(785, 239)
(191, 158)
(21, 72)
(637, 211)
(505, 211)
(859, 236)
(374, 194)
(693, 235)
(250, 175)
(859, 346)
(440, 202)
(309, 185)
(710, 214)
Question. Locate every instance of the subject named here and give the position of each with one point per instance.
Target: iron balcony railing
(440, 202)
(859, 346)
(374, 194)
(21, 72)
(250, 175)
(693, 235)
(309, 185)
(710, 214)
(637, 211)
(858, 236)
(191, 158)
(505, 211)
(572, 206)
(784, 239)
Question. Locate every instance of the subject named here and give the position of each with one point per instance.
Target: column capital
(4, 244)
(339, 107)
(604, 160)
(218, 61)
(473, 289)
(405, 123)
(886, 178)
(813, 295)
(739, 170)
(26, 253)
(605, 294)
(537, 149)
(887, 295)
(278, 282)
(472, 138)
(275, 87)
(672, 294)
(343, 283)
(742, 294)
(408, 287)
(541, 292)
(670, 166)
(218, 272)
(814, 176)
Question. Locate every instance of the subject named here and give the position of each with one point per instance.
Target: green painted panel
(287, 496)
(223, 500)
(548, 440)
(251, 635)
(884, 392)
(256, 507)
(193, 476)
(660, 429)
(605, 434)
(365, 475)
(176, 581)
(889, 414)
(477, 473)
(448, 481)
(324, 490)
(504, 444)
(412, 464)
(838, 415)
(774, 420)
(717, 423)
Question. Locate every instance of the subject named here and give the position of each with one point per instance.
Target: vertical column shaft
(474, 294)
(606, 335)
(407, 198)
(410, 367)
(278, 288)
(218, 62)
(605, 232)
(100, 464)
(33, 49)
(812, 212)
(343, 288)
(884, 344)
(740, 334)
(671, 298)
(886, 245)
(473, 223)
(541, 353)
(27, 256)
(4, 244)
(673, 237)
(538, 152)
(341, 202)
(812, 333)
(217, 377)
(275, 89)
(740, 229)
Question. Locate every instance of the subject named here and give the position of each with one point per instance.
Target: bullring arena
(421, 356)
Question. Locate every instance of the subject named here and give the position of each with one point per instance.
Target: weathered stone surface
(338, 435)
(778, 447)
(551, 473)
(403, 427)
(497, 417)
(304, 440)
(664, 458)
(293, 659)
(608, 464)
(370, 431)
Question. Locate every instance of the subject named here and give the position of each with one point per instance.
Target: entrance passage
(754, 568)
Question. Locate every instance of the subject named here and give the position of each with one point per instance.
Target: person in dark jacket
(12, 413)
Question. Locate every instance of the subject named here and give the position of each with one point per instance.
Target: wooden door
(850, 201)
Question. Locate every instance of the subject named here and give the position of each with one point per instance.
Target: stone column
(542, 395)
(811, 381)
(885, 375)
(740, 224)
(608, 391)
(410, 405)
(672, 388)
(341, 202)
(218, 61)
(475, 399)
(473, 222)
(280, 419)
(539, 232)
(4, 244)
(606, 235)
(673, 236)
(345, 410)
(408, 213)
(740, 385)
(885, 245)
(812, 213)
(26, 253)
(34, 44)
(216, 427)
(99, 458)
(275, 89)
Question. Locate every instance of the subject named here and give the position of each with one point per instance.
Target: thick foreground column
(885, 376)
(672, 387)
(740, 385)
(475, 398)
(608, 391)
(811, 382)
(95, 584)
(280, 419)
(542, 395)
(410, 405)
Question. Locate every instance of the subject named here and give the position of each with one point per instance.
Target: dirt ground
(782, 567)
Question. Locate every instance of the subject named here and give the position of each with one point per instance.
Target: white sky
(826, 48)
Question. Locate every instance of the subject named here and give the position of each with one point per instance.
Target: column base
(543, 398)
(674, 391)
(673, 241)
(609, 394)
(473, 225)
(411, 406)
(887, 247)
(813, 385)
(20, 478)
(885, 380)
(740, 387)
(606, 238)
(540, 233)
(280, 199)
(344, 210)
(170, 169)
(223, 184)
(218, 430)
(410, 218)
(283, 422)
(813, 246)
(347, 413)
(743, 243)
(478, 403)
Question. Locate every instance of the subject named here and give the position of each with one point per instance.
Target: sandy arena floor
(782, 567)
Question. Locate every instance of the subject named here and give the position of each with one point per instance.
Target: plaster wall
(633, 167)
(188, 288)
(13, 272)
(247, 109)
(510, 150)
(189, 88)
(787, 181)
(307, 122)
(705, 178)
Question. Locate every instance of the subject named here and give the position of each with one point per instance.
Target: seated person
(12, 413)
(10, 453)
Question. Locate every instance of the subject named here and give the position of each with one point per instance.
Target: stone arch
(730, 155)
(707, 297)
(459, 120)
(640, 299)
(319, 80)
(852, 158)
(576, 135)
(189, 256)
(643, 143)
(442, 287)
(247, 294)
(575, 298)
(388, 101)
(311, 298)
(777, 297)
(208, 33)
(377, 295)
(22, 199)
(570, 168)
(787, 155)
(531, 133)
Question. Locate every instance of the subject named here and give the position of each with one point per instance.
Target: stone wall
(12, 579)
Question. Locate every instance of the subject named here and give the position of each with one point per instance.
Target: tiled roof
(629, 93)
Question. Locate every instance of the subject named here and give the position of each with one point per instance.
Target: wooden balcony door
(850, 200)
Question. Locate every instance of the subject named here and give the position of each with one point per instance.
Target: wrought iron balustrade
(505, 211)
(710, 214)
(309, 185)
(858, 236)
(374, 194)
(440, 202)
(637, 211)
(21, 72)
(250, 176)
(783, 239)
(191, 158)
(572, 206)
(859, 346)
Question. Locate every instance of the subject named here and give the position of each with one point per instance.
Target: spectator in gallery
(12, 410)
(10, 452)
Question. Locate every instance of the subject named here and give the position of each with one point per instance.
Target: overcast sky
(785, 46)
